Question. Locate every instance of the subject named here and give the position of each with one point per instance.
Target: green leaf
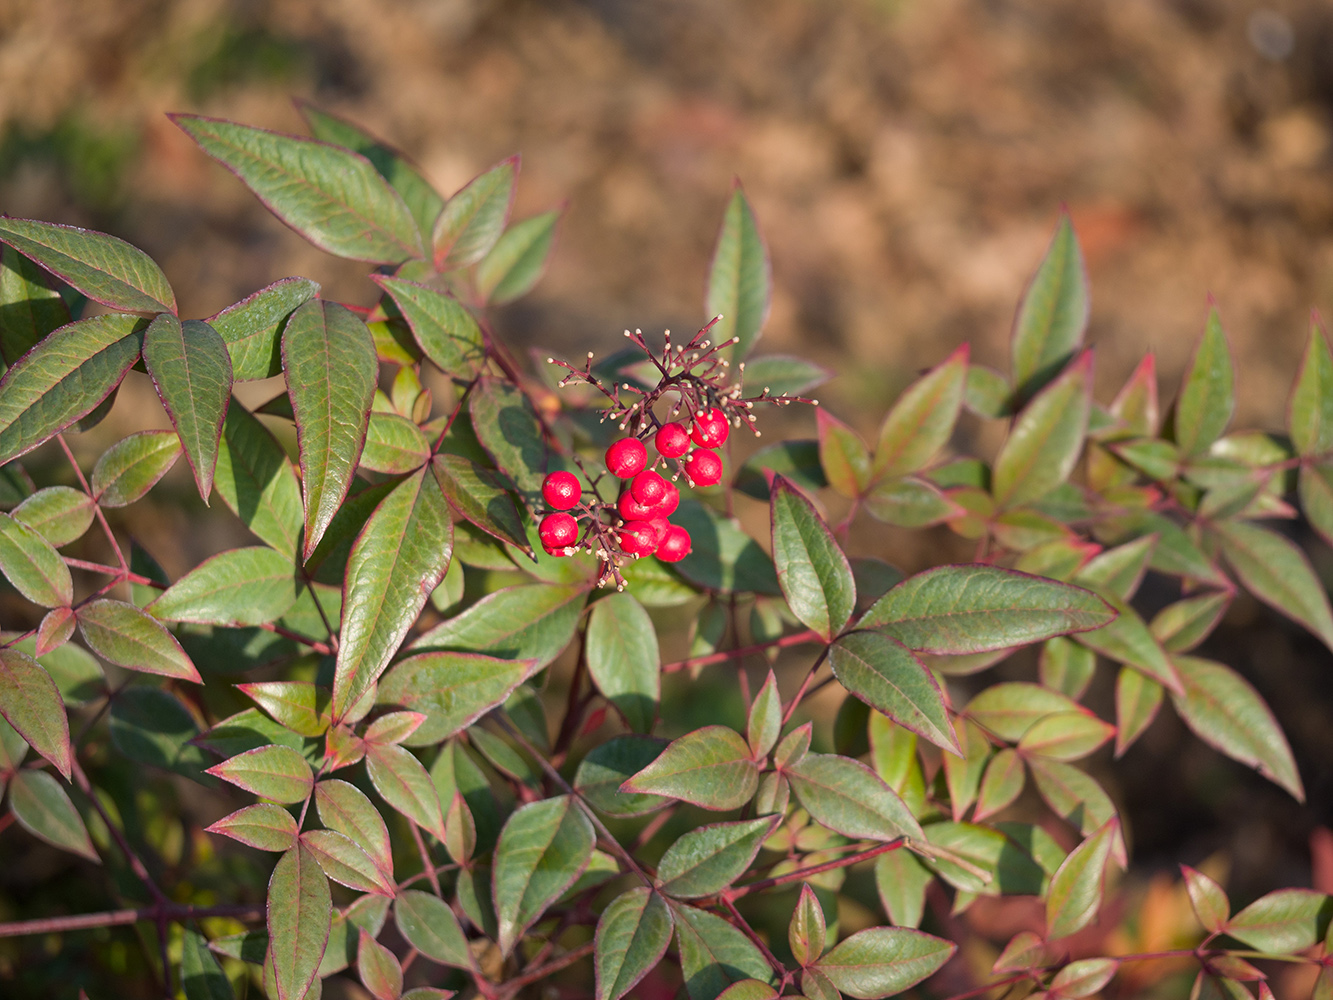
(201, 976)
(1274, 570)
(623, 659)
(517, 260)
(106, 269)
(346, 862)
(299, 705)
(1046, 439)
(710, 767)
(378, 967)
(796, 460)
(265, 827)
(1066, 666)
(404, 784)
(34, 568)
(1183, 625)
(30, 305)
(479, 496)
(922, 420)
(394, 445)
(972, 609)
(909, 502)
(275, 772)
(765, 719)
(1076, 887)
(1227, 713)
(608, 765)
(330, 366)
(444, 328)
(239, 587)
(1065, 736)
(507, 427)
(1137, 699)
(152, 726)
(740, 281)
(132, 466)
(1084, 977)
(885, 674)
(805, 932)
(632, 936)
(849, 798)
(723, 558)
(63, 378)
(345, 809)
(59, 514)
(814, 575)
(530, 622)
(1001, 783)
(331, 196)
(30, 701)
(474, 217)
(1310, 413)
(255, 480)
(428, 924)
(299, 916)
(962, 774)
(1127, 640)
(901, 879)
(122, 634)
(1283, 922)
(884, 961)
(714, 954)
(252, 328)
(709, 858)
(44, 810)
(543, 848)
(843, 455)
(1053, 315)
(1072, 794)
(1010, 709)
(397, 560)
(247, 730)
(1209, 902)
(453, 689)
(986, 393)
(1207, 396)
(782, 375)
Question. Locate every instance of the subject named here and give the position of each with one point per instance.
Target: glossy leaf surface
(122, 634)
(710, 767)
(815, 576)
(299, 915)
(632, 936)
(623, 659)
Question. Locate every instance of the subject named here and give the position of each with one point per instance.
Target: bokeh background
(906, 158)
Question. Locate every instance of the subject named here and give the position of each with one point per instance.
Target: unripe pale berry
(637, 538)
(648, 488)
(704, 467)
(631, 510)
(561, 490)
(672, 440)
(675, 546)
(558, 531)
(710, 429)
(626, 457)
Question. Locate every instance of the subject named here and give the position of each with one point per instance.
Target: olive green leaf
(152, 726)
(474, 217)
(1274, 570)
(300, 912)
(264, 826)
(922, 420)
(849, 798)
(1076, 887)
(30, 563)
(1283, 922)
(740, 280)
(1046, 439)
(765, 719)
(632, 936)
(429, 925)
(710, 767)
(394, 445)
(843, 455)
(122, 634)
(444, 328)
(814, 574)
(299, 705)
(529, 622)
(132, 466)
(518, 258)
(1053, 314)
(453, 689)
(256, 481)
(480, 496)
(30, 305)
(1208, 900)
(43, 808)
(405, 785)
(239, 587)
(883, 961)
(608, 765)
(30, 701)
(252, 328)
(1310, 412)
(805, 933)
(346, 862)
(345, 809)
(60, 514)
(887, 676)
(201, 976)
(623, 659)
(709, 858)
(1207, 395)
(275, 772)
(714, 954)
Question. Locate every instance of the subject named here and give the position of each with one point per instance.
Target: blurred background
(906, 159)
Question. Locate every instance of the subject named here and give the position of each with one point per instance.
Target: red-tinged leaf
(257, 482)
(843, 455)
(518, 258)
(1137, 699)
(345, 809)
(887, 676)
(623, 658)
(1025, 950)
(252, 328)
(106, 269)
(1001, 783)
(1127, 640)
(31, 702)
(883, 961)
(710, 767)
(394, 727)
(30, 563)
(30, 305)
(380, 972)
(1084, 977)
(909, 502)
(814, 574)
(1227, 713)
(709, 858)
(922, 420)
(443, 327)
(1065, 736)
(266, 827)
(1310, 411)
(452, 690)
(849, 798)
(1135, 405)
(475, 216)
(343, 748)
(346, 862)
(1207, 395)
(429, 925)
(43, 808)
(714, 953)
(63, 378)
(301, 706)
(398, 559)
(632, 936)
(1046, 439)
(1053, 314)
(59, 514)
(1283, 922)
(274, 772)
(1209, 901)
(331, 196)
(1066, 666)
(481, 497)
(394, 445)
(901, 879)
(963, 772)
(1010, 709)
(764, 723)
(300, 912)
(122, 634)
(1278, 573)
(1186, 623)
(132, 466)
(1076, 887)
(55, 629)
(404, 784)
(236, 588)
(1073, 794)
(740, 280)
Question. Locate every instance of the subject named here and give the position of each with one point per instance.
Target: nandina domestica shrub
(450, 707)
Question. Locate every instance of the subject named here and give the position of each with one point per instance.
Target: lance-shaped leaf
(1283, 922)
(740, 281)
(275, 772)
(973, 609)
(1137, 699)
(1076, 887)
(815, 576)
(475, 216)
(255, 479)
(264, 826)
(1001, 783)
(1071, 793)
(1084, 977)
(849, 798)
(106, 269)
(429, 925)
(1207, 396)
(901, 879)
(191, 369)
(34, 568)
(30, 305)
(345, 809)
(397, 560)
(479, 496)
(333, 197)
(378, 967)
(543, 847)
(43, 809)
(236, 588)
(30, 701)
(507, 427)
(1010, 709)
(60, 514)
(346, 862)
(301, 706)
(201, 976)
(843, 455)
(403, 783)
(530, 622)
(300, 912)
(710, 767)
(1065, 736)
(632, 936)
(132, 466)
(1227, 713)
(887, 676)
(608, 765)
(329, 361)
(444, 328)
(252, 328)
(1310, 412)
(709, 858)
(1127, 640)
(122, 634)
(764, 724)
(453, 689)
(518, 258)
(1046, 439)
(1053, 314)
(1274, 570)
(922, 420)
(806, 931)
(65, 377)
(714, 954)
(394, 445)
(623, 659)
(55, 630)
(883, 961)
(1209, 902)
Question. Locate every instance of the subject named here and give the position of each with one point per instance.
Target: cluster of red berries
(647, 499)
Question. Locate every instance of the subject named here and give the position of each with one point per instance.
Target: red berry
(558, 531)
(561, 490)
(672, 440)
(648, 488)
(670, 500)
(659, 526)
(626, 457)
(704, 467)
(710, 429)
(631, 510)
(637, 538)
(675, 546)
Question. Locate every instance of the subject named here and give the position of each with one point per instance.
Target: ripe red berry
(672, 440)
(704, 467)
(648, 488)
(660, 525)
(675, 546)
(670, 500)
(561, 490)
(637, 538)
(626, 457)
(710, 429)
(557, 531)
(631, 510)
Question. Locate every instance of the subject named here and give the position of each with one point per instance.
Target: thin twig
(795, 639)
(117, 918)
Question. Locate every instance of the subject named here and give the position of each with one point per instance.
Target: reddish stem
(116, 918)
(804, 873)
(795, 639)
